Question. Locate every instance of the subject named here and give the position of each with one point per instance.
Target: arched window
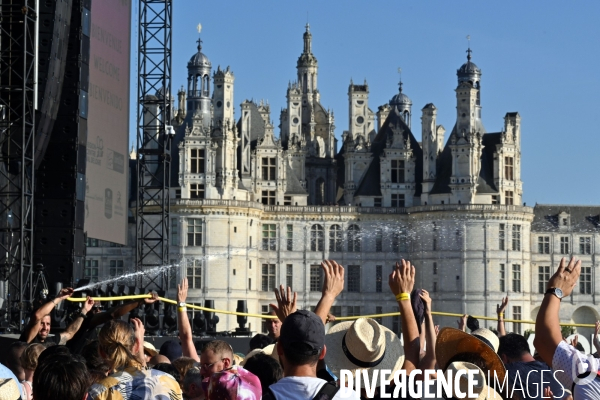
(335, 238)
(317, 238)
(305, 83)
(354, 238)
(320, 192)
(205, 86)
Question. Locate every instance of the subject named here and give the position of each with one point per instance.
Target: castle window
(174, 232)
(508, 196)
(516, 278)
(197, 161)
(377, 202)
(354, 238)
(502, 280)
(354, 278)
(378, 278)
(317, 238)
(544, 244)
(397, 171)
(268, 277)
(516, 237)
(508, 168)
(398, 200)
(543, 278)
(378, 240)
(585, 245)
(196, 191)
(269, 237)
(268, 197)
(495, 199)
(564, 245)
(194, 273)
(335, 238)
(517, 316)
(501, 237)
(290, 237)
(287, 200)
(194, 234)
(289, 275)
(315, 278)
(585, 280)
(268, 168)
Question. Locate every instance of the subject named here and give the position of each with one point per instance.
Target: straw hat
(270, 350)
(363, 345)
(451, 341)
(150, 349)
(9, 389)
(480, 388)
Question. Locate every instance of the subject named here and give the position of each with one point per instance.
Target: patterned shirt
(574, 370)
(135, 384)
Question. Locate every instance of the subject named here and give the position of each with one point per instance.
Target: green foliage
(567, 330)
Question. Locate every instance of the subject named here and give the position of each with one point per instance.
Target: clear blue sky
(540, 58)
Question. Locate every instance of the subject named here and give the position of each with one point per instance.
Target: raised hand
(65, 293)
(502, 306)
(87, 306)
(152, 299)
(138, 328)
(333, 278)
(575, 341)
(286, 303)
(565, 278)
(182, 290)
(402, 279)
(426, 300)
(330, 318)
(462, 322)
(437, 329)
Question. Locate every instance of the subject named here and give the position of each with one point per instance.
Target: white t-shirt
(569, 363)
(306, 388)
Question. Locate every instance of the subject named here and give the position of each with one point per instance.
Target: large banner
(108, 121)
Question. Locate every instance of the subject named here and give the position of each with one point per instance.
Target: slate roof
(292, 185)
(370, 185)
(582, 218)
(485, 182)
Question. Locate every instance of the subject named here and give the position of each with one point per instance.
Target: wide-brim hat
(451, 341)
(150, 349)
(270, 350)
(480, 387)
(363, 345)
(9, 389)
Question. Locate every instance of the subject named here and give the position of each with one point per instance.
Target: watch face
(559, 293)
(181, 304)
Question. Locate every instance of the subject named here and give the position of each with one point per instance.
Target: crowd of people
(100, 356)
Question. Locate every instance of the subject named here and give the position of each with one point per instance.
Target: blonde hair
(116, 340)
(29, 357)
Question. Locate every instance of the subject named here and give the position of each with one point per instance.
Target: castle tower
(361, 118)
(199, 97)
(402, 104)
(307, 66)
(223, 95)
(432, 142)
(466, 139)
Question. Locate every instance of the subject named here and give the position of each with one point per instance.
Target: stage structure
(17, 134)
(153, 139)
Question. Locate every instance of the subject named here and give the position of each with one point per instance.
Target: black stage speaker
(59, 239)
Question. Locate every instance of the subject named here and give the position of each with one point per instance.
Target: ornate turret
(199, 97)
(402, 104)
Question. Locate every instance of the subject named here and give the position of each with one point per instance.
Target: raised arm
(183, 323)
(596, 340)
(428, 362)
(76, 324)
(333, 284)
(547, 324)
(32, 327)
(401, 282)
(500, 311)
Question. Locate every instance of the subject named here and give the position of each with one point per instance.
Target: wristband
(403, 296)
(501, 315)
(183, 309)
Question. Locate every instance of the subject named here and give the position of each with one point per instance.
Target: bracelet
(183, 309)
(54, 302)
(501, 315)
(403, 296)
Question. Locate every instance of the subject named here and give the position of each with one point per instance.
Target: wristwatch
(555, 291)
(181, 304)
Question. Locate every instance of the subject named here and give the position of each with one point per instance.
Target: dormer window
(197, 161)
(397, 171)
(565, 222)
(268, 168)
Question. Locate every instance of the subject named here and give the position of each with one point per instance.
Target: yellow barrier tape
(195, 307)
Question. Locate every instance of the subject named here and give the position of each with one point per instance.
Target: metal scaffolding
(17, 132)
(153, 140)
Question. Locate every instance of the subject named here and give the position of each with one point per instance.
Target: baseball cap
(171, 349)
(303, 328)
